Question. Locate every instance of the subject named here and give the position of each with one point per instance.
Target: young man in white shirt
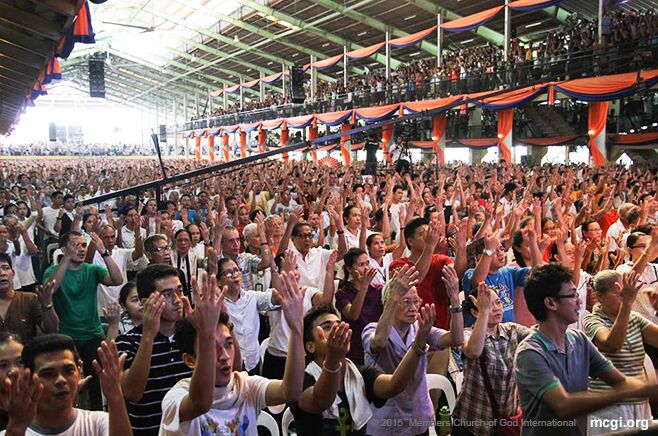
(43, 403)
(216, 399)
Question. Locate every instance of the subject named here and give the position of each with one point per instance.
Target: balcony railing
(621, 58)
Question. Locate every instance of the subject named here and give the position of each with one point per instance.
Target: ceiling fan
(143, 29)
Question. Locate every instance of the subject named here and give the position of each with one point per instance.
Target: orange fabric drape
(211, 148)
(284, 140)
(243, 144)
(387, 134)
(471, 21)
(596, 121)
(344, 150)
(262, 135)
(197, 148)
(227, 156)
(439, 137)
(505, 122)
(313, 134)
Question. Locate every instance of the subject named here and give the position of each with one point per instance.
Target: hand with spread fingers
(109, 368)
(426, 317)
(338, 341)
(19, 396)
(291, 300)
(209, 304)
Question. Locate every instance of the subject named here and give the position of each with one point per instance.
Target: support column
(508, 30)
(344, 66)
(475, 130)
(596, 121)
(196, 105)
(225, 96)
(439, 40)
(314, 79)
(209, 104)
(599, 29)
(537, 154)
(388, 56)
(262, 87)
(439, 137)
(284, 81)
(241, 94)
(175, 127)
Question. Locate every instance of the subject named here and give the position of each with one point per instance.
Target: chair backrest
(285, 422)
(459, 381)
(650, 370)
(266, 420)
(263, 348)
(437, 381)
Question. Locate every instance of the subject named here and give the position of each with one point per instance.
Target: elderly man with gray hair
(620, 334)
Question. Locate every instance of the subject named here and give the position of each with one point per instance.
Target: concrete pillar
(344, 66)
(262, 87)
(537, 154)
(439, 40)
(314, 79)
(508, 30)
(283, 80)
(388, 56)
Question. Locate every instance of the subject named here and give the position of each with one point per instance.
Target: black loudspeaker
(371, 157)
(52, 132)
(163, 133)
(297, 84)
(525, 160)
(96, 77)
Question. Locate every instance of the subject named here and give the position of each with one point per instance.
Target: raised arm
(109, 368)
(611, 340)
(484, 303)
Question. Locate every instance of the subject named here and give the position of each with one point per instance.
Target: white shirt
(279, 329)
(23, 266)
(352, 240)
(394, 209)
(128, 236)
(382, 271)
(106, 294)
(582, 294)
(312, 268)
(245, 394)
(649, 280)
(614, 231)
(50, 218)
(86, 423)
(246, 323)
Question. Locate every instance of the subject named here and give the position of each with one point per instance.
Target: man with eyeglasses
(248, 263)
(154, 363)
(553, 364)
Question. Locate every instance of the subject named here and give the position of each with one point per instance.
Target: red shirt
(431, 289)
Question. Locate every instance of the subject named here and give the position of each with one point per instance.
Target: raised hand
(209, 304)
(629, 287)
(205, 231)
(426, 316)
(112, 313)
(291, 300)
(404, 278)
(98, 242)
(338, 340)
(21, 392)
(110, 369)
(433, 235)
(363, 280)
(153, 309)
(331, 261)
(45, 293)
(451, 281)
(485, 299)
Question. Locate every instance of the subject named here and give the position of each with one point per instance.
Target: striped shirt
(630, 358)
(166, 369)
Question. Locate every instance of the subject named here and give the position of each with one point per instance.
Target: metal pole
(262, 87)
(508, 28)
(283, 80)
(196, 105)
(175, 127)
(209, 103)
(600, 26)
(314, 79)
(241, 94)
(388, 56)
(225, 98)
(344, 66)
(439, 40)
(185, 105)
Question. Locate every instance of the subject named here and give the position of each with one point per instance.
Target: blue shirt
(504, 282)
(192, 216)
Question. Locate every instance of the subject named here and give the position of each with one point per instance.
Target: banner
(211, 148)
(344, 146)
(197, 148)
(505, 124)
(227, 155)
(243, 144)
(596, 121)
(439, 137)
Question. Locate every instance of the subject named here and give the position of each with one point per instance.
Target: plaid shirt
(473, 407)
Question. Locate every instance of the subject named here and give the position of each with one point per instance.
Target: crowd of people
(56, 148)
(630, 38)
(532, 290)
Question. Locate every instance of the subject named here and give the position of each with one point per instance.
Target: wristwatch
(457, 309)
(421, 351)
(107, 253)
(488, 252)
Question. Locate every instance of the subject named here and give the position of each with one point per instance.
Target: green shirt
(76, 301)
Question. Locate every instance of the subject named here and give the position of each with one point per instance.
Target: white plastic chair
(437, 381)
(650, 370)
(285, 422)
(266, 420)
(459, 381)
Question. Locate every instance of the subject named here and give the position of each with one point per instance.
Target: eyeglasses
(305, 236)
(160, 249)
(231, 272)
(409, 303)
(574, 296)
